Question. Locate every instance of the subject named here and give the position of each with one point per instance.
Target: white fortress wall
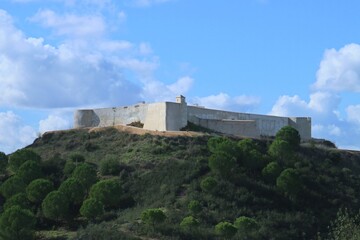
(176, 116)
(155, 117)
(303, 125)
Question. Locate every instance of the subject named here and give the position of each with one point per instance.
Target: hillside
(180, 174)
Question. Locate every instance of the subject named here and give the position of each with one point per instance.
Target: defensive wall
(172, 116)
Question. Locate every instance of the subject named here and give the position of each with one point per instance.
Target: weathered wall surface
(155, 117)
(303, 125)
(176, 116)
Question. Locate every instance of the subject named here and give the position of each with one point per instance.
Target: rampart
(172, 116)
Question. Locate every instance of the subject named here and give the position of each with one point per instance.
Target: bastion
(173, 116)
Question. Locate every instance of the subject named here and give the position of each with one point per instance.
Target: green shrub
(3, 162)
(290, 135)
(77, 158)
(225, 230)
(194, 206)
(110, 166)
(17, 224)
(69, 168)
(18, 199)
(29, 171)
(73, 190)
(108, 191)
(208, 184)
(289, 182)
(86, 174)
(271, 171)
(222, 163)
(223, 145)
(246, 226)
(189, 223)
(12, 186)
(280, 150)
(55, 206)
(20, 156)
(92, 208)
(153, 216)
(37, 190)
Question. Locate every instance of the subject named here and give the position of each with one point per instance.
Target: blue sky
(283, 57)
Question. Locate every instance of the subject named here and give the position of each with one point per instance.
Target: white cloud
(14, 133)
(53, 122)
(340, 70)
(71, 24)
(224, 101)
(353, 113)
(147, 3)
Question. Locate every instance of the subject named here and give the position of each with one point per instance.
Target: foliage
(225, 229)
(290, 135)
(246, 226)
(222, 163)
(271, 172)
(29, 170)
(17, 224)
(3, 162)
(20, 156)
(153, 216)
(12, 186)
(98, 231)
(208, 184)
(73, 190)
(223, 145)
(108, 191)
(37, 190)
(289, 182)
(55, 206)
(345, 226)
(92, 208)
(19, 199)
(86, 174)
(77, 158)
(280, 150)
(251, 157)
(194, 206)
(110, 166)
(189, 223)
(69, 168)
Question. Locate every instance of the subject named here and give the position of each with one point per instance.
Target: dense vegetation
(115, 185)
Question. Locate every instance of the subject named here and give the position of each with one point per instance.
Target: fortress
(172, 116)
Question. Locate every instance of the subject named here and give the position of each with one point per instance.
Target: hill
(198, 181)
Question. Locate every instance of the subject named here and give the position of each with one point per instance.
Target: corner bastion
(172, 116)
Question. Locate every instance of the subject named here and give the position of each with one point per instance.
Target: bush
(208, 184)
(17, 224)
(271, 172)
(290, 135)
(110, 166)
(77, 158)
(20, 156)
(18, 199)
(55, 206)
(86, 174)
(69, 168)
(250, 155)
(73, 190)
(194, 206)
(153, 216)
(225, 229)
(289, 182)
(37, 190)
(222, 163)
(108, 191)
(29, 171)
(223, 145)
(280, 150)
(246, 226)
(12, 186)
(92, 208)
(189, 223)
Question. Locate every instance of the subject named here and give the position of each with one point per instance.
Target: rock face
(172, 116)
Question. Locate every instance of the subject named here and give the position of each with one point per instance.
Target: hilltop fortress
(172, 116)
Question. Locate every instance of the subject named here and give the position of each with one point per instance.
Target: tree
(289, 182)
(69, 168)
(194, 206)
(3, 162)
(189, 223)
(271, 171)
(208, 184)
(108, 191)
(77, 158)
(280, 150)
(86, 174)
(222, 163)
(250, 155)
(74, 190)
(246, 226)
(17, 224)
(223, 145)
(153, 216)
(29, 170)
(20, 156)
(110, 166)
(12, 186)
(225, 229)
(55, 206)
(37, 190)
(289, 134)
(92, 208)
(19, 199)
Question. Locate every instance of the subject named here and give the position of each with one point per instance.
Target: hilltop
(178, 173)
